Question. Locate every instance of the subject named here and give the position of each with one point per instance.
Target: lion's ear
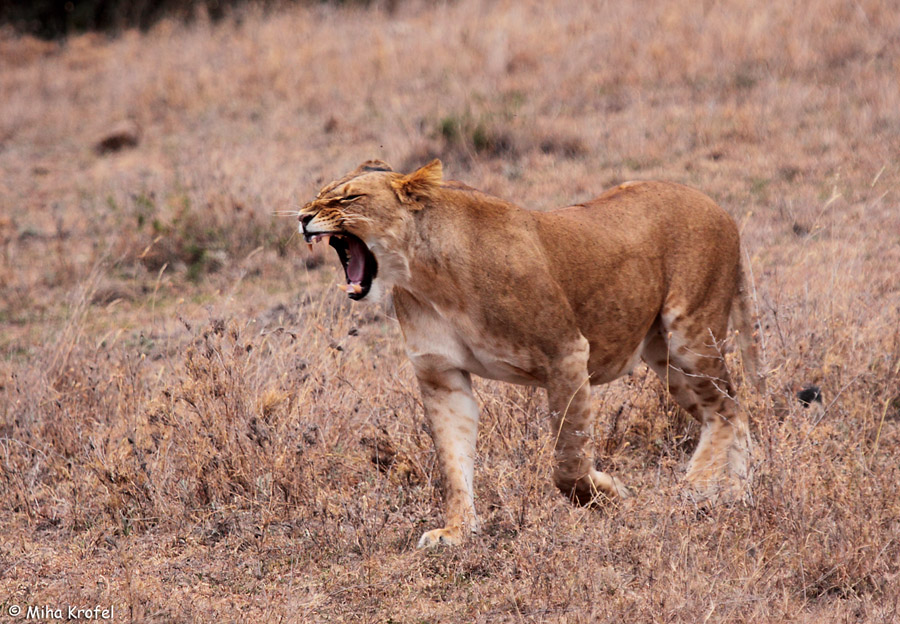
(419, 183)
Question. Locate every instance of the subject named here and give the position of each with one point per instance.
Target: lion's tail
(742, 323)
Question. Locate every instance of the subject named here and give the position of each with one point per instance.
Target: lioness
(561, 299)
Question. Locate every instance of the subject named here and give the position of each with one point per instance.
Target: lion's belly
(437, 343)
(513, 364)
(604, 369)
(444, 339)
(498, 360)
(506, 365)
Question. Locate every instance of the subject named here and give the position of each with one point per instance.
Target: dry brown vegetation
(196, 426)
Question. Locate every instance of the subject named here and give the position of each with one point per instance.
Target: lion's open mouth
(360, 267)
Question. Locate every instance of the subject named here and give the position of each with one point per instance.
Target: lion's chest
(436, 341)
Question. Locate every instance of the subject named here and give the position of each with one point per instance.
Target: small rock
(120, 136)
(113, 291)
(810, 395)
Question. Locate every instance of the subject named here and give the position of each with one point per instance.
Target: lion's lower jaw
(378, 292)
(393, 270)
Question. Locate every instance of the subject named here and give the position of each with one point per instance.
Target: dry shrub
(463, 139)
(197, 239)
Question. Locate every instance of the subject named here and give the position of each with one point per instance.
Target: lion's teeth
(326, 238)
(309, 245)
(350, 288)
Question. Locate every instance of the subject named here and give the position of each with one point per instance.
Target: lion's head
(366, 217)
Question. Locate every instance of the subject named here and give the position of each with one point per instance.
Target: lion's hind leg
(687, 360)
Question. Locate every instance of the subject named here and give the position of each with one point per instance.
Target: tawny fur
(563, 299)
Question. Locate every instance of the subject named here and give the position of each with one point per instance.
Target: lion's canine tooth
(326, 238)
(356, 288)
(309, 245)
(343, 287)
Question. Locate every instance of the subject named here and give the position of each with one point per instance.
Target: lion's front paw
(448, 536)
(621, 490)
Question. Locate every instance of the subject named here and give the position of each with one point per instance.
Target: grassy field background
(197, 426)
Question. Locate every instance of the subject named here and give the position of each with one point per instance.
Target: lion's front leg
(569, 398)
(452, 415)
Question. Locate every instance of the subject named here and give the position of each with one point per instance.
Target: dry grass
(196, 426)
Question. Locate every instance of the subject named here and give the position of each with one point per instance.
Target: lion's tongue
(356, 267)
